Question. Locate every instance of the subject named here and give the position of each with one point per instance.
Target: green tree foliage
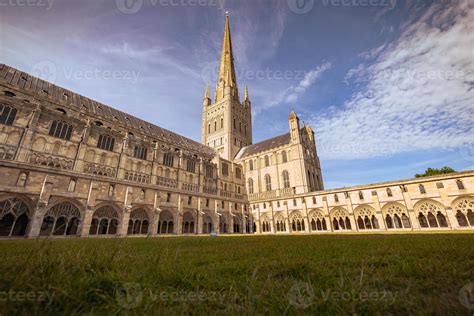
(433, 171)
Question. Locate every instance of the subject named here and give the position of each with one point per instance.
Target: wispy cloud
(292, 93)
(418, 92)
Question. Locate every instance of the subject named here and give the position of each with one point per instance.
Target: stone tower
(226, 121)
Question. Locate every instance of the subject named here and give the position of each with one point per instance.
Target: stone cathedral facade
(71, 166)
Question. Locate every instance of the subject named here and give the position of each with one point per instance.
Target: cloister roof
(47, 90)
(264, 145)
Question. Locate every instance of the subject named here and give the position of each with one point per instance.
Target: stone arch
(340, 219)
(396, 216)
(189, 222)
(139, 222)
(38, 144)
(280, 222)
(90, 156)
(207, 224)
(13, 138)
(166, 222)
(431, 214)
(223, 224)
(265, 223)
(105, 220)
(237, 223)
(317, 221)
(63, 218)
(365, 216)
(15, 215)
(297, 221)
(463, 209)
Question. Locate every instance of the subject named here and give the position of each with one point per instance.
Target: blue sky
(387, 85)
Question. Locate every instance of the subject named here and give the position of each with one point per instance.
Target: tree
(433, 171)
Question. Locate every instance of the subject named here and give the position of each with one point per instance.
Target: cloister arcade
(66, 217)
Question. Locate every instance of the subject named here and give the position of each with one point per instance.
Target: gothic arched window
(286, 179)
(60, 130)
(268, 182)
(250, 185)
(267, 161)
(284, 156)
(7, 114)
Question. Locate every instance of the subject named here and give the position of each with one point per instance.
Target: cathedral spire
(246, 95)
(226, 70)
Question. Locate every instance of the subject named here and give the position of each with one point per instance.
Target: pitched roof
(34, 85)
(264, 145)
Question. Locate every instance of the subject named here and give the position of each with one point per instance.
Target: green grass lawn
(338, 274)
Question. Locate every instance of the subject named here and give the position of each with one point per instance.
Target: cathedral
(72, 166)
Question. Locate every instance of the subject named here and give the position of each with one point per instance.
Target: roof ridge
(96, 107)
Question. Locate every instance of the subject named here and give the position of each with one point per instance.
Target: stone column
(451, 218)
(259, 222)
(288, 224)
(179, 220)
(414, 219)
(381, 220)
(86, 222)
(27, 136)
(124, 223)
(306, 217)
(156, 219)
(41, 209)
(200, 219)
(230, 227)
(37, 220)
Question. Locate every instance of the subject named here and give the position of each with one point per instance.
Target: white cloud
(292, 93)
(419, 92)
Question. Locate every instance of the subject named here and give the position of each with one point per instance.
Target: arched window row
(367, 222)
(341, 223)
(7, 114)
(60, 130)
(61, 220)
(396, 221)
(266, 228)
(432, 220)
(222, 225)
(318, 224)
(138, 223)
(465, 212)
(105, 221)
(14, 218)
